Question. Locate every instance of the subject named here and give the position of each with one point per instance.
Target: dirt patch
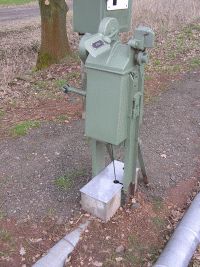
(134, 229)
(136, 234)
(178, 195)
(23, 242)
(61, 110)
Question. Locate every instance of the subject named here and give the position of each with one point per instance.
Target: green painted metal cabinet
(87, 14)
(108, 87)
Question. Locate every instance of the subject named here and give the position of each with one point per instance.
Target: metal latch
(136, 105)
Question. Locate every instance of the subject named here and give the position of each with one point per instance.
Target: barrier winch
(115, 82)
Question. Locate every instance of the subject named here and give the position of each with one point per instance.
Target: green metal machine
(115, 82)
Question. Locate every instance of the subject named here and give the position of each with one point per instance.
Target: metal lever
(68, 89)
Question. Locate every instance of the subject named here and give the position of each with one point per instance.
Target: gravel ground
(30, 164)
(171, 134)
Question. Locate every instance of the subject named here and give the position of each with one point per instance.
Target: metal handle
(68, 89)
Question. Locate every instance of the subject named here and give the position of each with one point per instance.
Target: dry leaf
(97, 263)
(22, 251)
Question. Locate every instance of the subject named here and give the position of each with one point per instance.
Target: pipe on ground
(183, 243)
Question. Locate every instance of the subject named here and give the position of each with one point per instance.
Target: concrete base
(101, 196)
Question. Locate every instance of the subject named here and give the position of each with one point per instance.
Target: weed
(66, 181)
(172, 55)
(148, 78)
(180, 42)
(188, 31)
(40, 85)
(72, 75)
(63, 182)
(22, 129)
(60, 82)
(14, 103)
(15, 2)
(157, 203)
(158, 222)
(62, 118)
(133, 242)
(110, 262)
(134, 254)
(51, 212)
(2, 113)
(195, 62)
(5, 236)
(176, 68)
(157, 62)
(133, 259)
(153, 253)
(147, 96)
(195, 27)
(2, 215)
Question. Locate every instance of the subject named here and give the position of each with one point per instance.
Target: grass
(66, 181)
(164, 15)
(135, 252)
(159, 222)
(2, 113)
(195, 62)
(153, 254)
(15, 2)
(5, 236)
(2, 215)
(110, 261)
(60, 83)
(62, 118)
(157, 203)
(23, 128)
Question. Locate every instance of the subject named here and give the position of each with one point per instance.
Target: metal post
(131, 145)
(98, 150)
(142, 166)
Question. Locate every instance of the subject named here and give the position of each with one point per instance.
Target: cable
(113, 161)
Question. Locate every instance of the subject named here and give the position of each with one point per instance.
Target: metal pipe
(184, 241)
(68, 89)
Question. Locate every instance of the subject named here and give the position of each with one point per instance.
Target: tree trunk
(54, 41)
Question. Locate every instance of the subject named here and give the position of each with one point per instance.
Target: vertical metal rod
(84, 86)
(142, 166)
(131, 146)
(113, 161)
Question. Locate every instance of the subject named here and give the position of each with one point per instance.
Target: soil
(136, 234)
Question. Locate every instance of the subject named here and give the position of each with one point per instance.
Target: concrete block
(101, 196)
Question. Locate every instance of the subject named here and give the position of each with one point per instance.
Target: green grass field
(15, 2)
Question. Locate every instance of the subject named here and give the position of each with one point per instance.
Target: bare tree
(54, 41)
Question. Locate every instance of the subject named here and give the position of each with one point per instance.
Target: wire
(114, 169)
(113, 161)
